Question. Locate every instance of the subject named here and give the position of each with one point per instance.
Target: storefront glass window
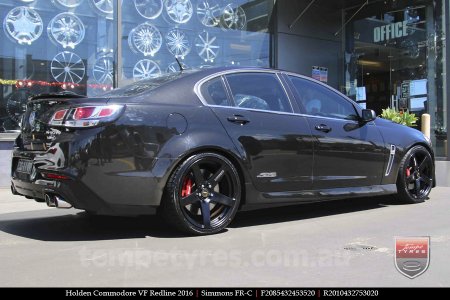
(199, 33)
(55, 45)
(394, 57)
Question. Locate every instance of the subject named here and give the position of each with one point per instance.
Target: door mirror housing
(368, 115)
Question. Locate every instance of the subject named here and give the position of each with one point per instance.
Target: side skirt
(281, 198)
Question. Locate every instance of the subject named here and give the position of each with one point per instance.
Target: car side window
(214, 92)
(258, 91)
(318, 100)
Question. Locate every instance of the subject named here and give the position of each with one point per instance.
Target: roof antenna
(179, 64)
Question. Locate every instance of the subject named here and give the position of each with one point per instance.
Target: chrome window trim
(197, 91)
(198, 86)
(324, 85)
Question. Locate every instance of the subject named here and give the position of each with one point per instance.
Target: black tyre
(202, 195)
(415, 177)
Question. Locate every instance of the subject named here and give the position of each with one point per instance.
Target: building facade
(382, 53)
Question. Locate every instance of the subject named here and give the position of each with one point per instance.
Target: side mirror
(368, 115)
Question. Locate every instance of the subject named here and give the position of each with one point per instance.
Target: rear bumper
(88, 187)
(78, 196)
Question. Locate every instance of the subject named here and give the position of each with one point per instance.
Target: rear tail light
(55, 176)
(86, 116)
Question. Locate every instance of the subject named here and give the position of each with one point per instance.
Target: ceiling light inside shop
(369, 63)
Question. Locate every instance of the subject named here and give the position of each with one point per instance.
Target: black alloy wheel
(203, 194)
(415, 178)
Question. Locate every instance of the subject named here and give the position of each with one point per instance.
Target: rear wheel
(202, 195)
(415, 178)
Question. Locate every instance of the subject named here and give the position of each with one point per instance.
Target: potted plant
(400, 117)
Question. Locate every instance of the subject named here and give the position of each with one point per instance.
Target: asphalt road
(340, 244)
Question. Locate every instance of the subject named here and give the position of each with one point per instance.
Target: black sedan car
(199, 146)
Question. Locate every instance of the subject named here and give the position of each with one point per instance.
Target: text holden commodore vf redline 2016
(199, 146)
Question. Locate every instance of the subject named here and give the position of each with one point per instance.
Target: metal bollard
(426, 123)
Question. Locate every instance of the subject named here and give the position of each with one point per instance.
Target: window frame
(287, 75)
(276, 74)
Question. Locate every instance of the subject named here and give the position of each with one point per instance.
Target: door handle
(238, 119)
(323, 128)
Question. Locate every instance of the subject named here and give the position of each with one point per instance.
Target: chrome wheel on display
(149, 9)
(175, 68)
(233, 18)
(208, 12)
(145, 69)
(416, 175)
(207, 47)
(145, 38)
(23, 25)
(179, 11)
(203, 194)
(66, 29)
(105, 7)
(178, 43)
(67, 3)
(67, 67)
(103, 70)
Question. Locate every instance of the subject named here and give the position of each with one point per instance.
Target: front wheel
(202, 195)
(415, 177)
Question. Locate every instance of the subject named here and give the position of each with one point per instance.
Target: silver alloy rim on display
(104, 6)
(103, 70)
(23, 24)
(175, 68)
(66, 29)
(178, 43)
(179, 11)
(67, 67)
(145, 38)
(67, 3)
(233, 18)
(207, 47)
(149, 9)
(208, 12)
(145, 69)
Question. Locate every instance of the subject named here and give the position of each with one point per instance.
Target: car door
(258, 116)
(347, 152)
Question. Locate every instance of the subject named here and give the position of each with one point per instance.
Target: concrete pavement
(342, 243)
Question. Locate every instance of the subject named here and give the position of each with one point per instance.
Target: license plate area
(24, 166)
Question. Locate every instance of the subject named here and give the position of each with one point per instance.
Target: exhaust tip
(50, 200)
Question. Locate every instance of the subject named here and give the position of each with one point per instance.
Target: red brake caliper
(408, 171)
(187, 187)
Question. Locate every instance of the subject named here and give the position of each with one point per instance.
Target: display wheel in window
(103, 70)
(175, 68)
(67, 67)
(233, 18)
(23, 25)
(208, 12)
(67, 3)
(179, 11)
(178, 43)
(411, 48)
(149, 9)
(16, 105)
(103, 7)
(66, 29)
(146, 39)
(145, 69)
(207, 46)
